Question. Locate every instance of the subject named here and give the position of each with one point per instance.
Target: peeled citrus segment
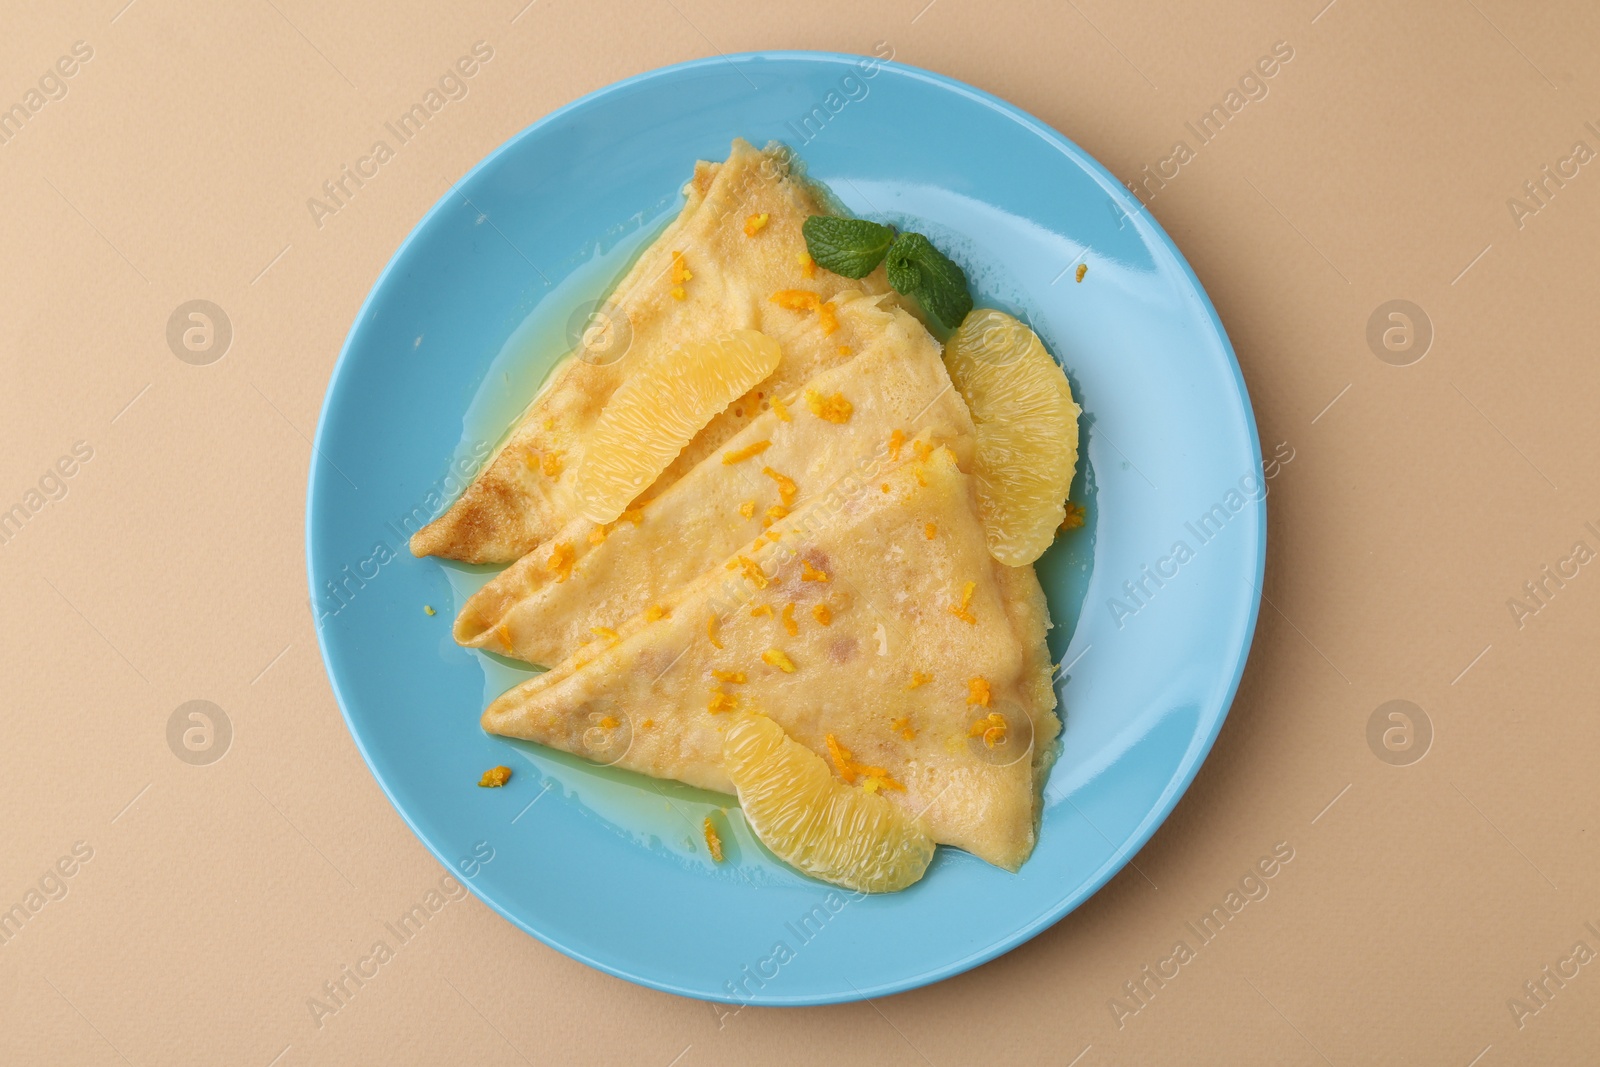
(810, 819)
(1027, 432)
(658, 409)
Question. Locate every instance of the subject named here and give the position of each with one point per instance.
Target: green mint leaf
(918, 269)
(851, 247)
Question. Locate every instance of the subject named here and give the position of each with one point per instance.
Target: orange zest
(978, 691)
(919, 679)
(930, 531)
(823, 616)
(992, 728)
(835, 408)
(731, 677)
(713, 842)
(495, 777)
(721, 702)
(960, 610)
(787, 490)
(808, 573)
(754, 224)
(752, 570)
(850, 770)
(561, 560)
(787, 618)
(711, 632)
(775, 658)
(742, 454)
(897, 441)
(796, 299)
(779, 410)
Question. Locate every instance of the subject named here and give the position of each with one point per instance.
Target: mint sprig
(918, 269)
(851, 247)
(854, 247)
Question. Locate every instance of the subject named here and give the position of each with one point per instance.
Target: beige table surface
(207, 904)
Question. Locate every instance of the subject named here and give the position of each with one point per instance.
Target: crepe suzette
(872, 624)
(590, 578)
(714, 270)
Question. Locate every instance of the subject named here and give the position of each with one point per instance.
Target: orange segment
(810, 819)
(658, 409)
(1027, 427)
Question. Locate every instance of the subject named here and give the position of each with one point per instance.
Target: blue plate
(1154, 600)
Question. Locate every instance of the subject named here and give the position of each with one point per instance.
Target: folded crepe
(589, 577)
(872, 624)
(715, 268)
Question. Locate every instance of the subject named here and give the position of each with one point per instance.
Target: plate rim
(1177, 785)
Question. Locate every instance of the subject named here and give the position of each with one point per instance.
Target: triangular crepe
(879, 619)
(734, 266)
(544, 606)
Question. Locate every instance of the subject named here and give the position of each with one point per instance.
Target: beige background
(219, 898)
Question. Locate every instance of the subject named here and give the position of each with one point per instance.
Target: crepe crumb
(731, 677)
(752, 570)
(721, 702)
(787, 490)
(992, 728)
(656, 613)
(787, 618)
(551, 463)
(823, 616)
(754, 224)
(808, 573)
(598, 535)
(742, 454)
(833, 408)
(713, 842)
(902, 726)
(494, 778)
(561, 559)
(779, 410)
(960, 610)
(978, 691)
(796, 299)
(1083, 268)
(428, 608)
(633, 515)
(1075, 517)
(776, 658)
(919, 679)
(748, 509)
(897, 441)
(808, 266)
(711, 632)
(930, 531)
(828, 319)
